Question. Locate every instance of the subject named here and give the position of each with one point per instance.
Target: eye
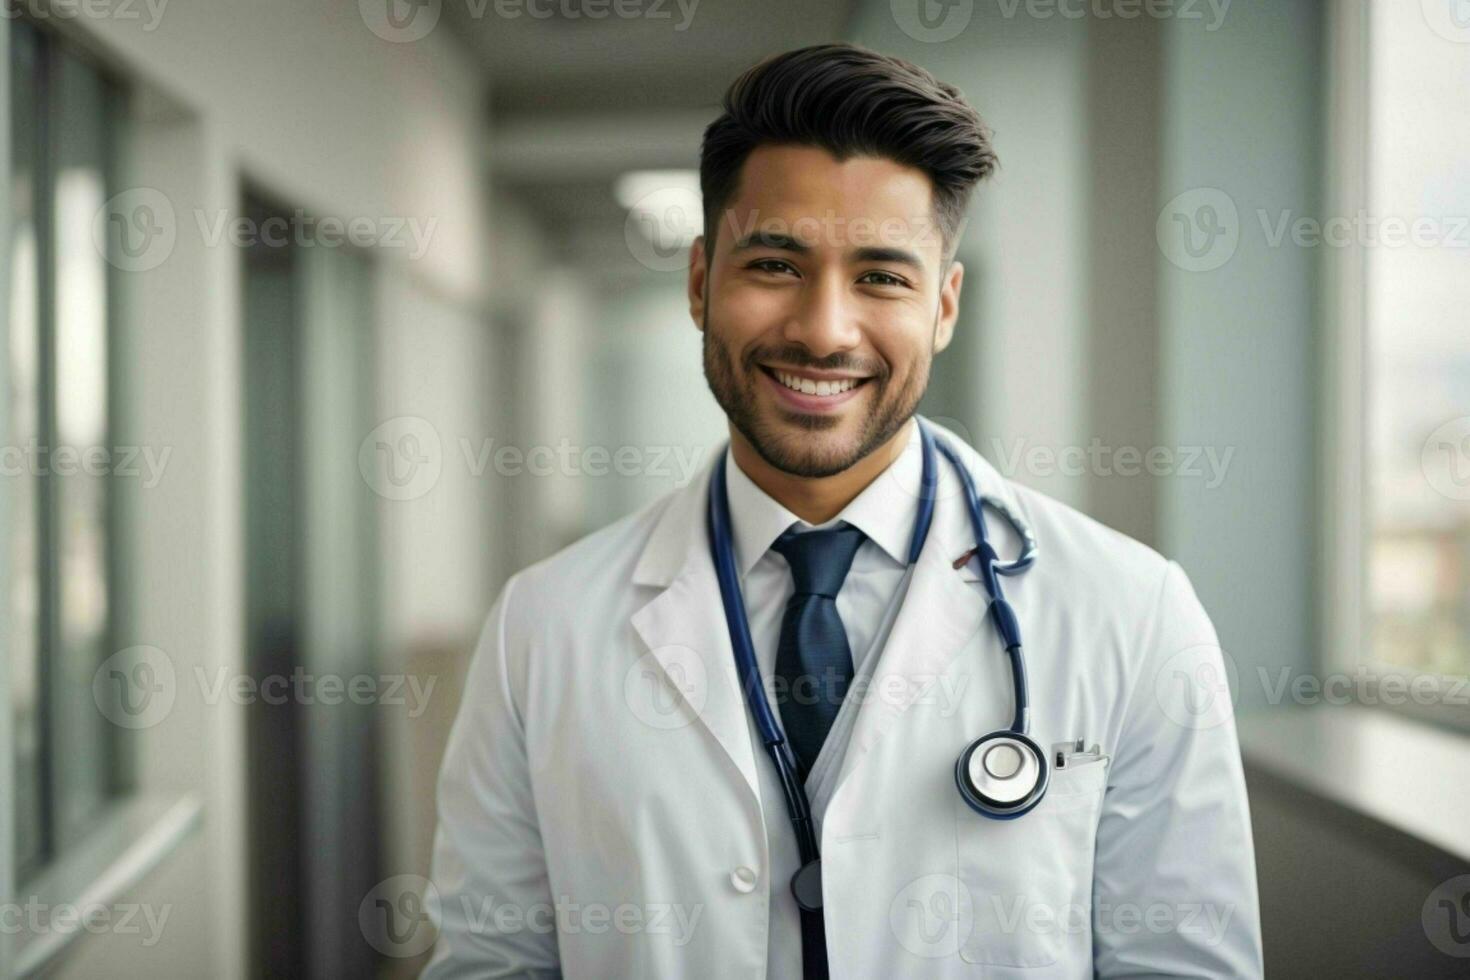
(880, 278)
(772, 265)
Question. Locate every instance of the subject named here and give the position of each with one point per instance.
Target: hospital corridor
(330, 330)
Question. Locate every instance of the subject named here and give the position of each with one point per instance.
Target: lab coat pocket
(1030, 879)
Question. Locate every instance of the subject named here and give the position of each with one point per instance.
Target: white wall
(1243, 115)
(308, 103)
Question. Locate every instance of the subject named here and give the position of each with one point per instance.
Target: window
(1416, 267)
(58, 446)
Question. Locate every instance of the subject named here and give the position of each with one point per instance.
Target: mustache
(799, 357)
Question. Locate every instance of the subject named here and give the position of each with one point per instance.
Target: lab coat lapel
(941, 613)
(684, 625)
(939, 616)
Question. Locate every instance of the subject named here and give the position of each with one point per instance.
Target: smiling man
(780, 723)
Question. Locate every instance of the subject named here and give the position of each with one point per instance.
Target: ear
(697, 281)
(949, 305)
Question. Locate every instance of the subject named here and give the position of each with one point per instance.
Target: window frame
(1344, 490)
(54, 50)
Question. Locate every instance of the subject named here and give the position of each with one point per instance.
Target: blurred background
(322, 318)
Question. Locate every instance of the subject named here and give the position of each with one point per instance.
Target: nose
(825, 322)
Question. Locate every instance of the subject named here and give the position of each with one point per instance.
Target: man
(607, 805)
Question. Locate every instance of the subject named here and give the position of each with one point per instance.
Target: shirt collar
(884, 510)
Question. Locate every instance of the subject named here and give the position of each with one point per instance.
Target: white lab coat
(604, 777)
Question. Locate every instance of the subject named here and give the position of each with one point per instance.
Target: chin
(808, 451)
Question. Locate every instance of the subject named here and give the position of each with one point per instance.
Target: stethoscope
(1001, 775)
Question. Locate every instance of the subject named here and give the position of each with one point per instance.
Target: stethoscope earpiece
(1002, 775)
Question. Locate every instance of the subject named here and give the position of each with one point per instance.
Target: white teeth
(820, 388)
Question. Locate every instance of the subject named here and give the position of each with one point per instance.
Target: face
(824, 303)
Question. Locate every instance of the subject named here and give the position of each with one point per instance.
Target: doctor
(808, 651)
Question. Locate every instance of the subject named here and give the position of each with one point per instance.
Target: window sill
(1401, 774)
(137, 834)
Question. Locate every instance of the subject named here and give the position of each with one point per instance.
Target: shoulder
(1127, 585)
(588, 574)
(1087, 549)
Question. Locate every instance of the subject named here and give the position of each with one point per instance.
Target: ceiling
(579, 55)
(576, 99)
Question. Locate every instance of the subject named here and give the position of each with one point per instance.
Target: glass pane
(22, 415)
(80, 457)
(1417, 245)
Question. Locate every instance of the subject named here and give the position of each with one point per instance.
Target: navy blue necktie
(813, 660)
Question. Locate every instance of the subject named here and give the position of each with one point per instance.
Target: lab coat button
(744, 879)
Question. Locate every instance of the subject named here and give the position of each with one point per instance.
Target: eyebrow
(785, 243)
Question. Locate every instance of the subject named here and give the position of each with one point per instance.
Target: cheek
(750, 311)
(906, 352)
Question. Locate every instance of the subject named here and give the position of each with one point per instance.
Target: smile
(812, 385)
(809, 386)
(812, 392)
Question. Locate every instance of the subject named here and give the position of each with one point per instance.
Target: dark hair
(849, 101)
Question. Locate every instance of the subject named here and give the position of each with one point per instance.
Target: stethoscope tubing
(721, 537)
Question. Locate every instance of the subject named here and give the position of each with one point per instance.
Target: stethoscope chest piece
(1002, 775)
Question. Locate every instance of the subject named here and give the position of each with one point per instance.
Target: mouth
(813, 391)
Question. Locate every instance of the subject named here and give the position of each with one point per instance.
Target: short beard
(886, 415)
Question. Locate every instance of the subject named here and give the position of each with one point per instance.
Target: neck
(817, 500)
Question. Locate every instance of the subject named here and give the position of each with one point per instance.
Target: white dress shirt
(867, 603)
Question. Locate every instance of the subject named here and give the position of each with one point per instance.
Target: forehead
(804, 191)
